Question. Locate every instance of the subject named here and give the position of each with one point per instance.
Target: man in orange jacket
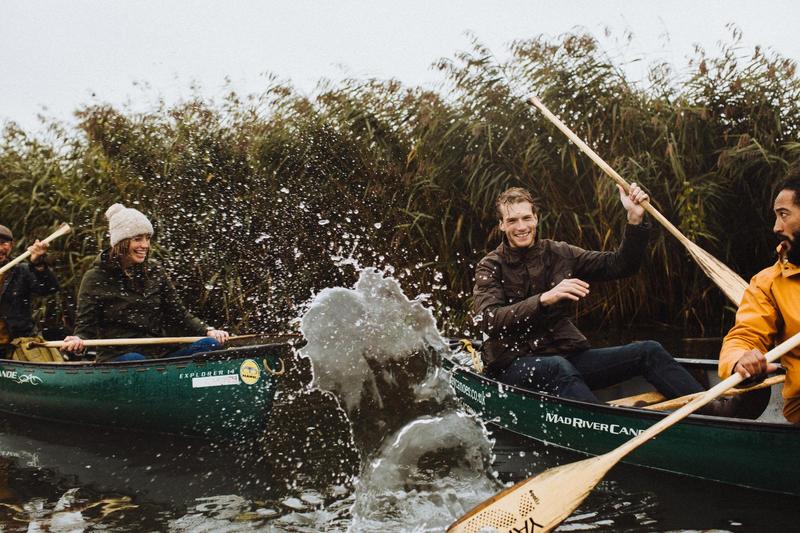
(770, 309)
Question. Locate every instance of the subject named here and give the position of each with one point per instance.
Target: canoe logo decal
(249, 371)
(29, 378)
(23, 379)
(581, 423)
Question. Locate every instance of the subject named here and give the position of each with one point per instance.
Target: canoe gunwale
(238, 352)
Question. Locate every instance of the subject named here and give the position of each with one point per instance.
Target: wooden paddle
(542, 502)
(133, 342)
(729, 281)
(62, 230)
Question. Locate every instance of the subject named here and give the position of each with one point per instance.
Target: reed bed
(260, 201)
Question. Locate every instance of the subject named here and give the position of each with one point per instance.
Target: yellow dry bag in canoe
(36, 354)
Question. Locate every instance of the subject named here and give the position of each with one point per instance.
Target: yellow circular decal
(249, 371)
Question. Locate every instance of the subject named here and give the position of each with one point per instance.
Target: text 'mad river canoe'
(706, 447)
(224, 394)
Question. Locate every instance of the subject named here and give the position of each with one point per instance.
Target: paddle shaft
(706, 397)
(62, 230)
(606, 167)
(731, 283)
(134, 342)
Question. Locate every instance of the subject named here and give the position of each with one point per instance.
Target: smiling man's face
(5, 250)
(519, 224)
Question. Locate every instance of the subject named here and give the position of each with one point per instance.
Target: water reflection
(80, 482)
(638, 499)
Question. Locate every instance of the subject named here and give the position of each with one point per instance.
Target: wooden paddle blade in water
(539, 503)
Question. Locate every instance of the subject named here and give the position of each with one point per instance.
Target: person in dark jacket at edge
(523, 298)
(128, 295)
(18, 286)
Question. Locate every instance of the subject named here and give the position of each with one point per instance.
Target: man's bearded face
(5, 250)
(793, 248)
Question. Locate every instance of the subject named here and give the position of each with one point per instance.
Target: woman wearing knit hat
(128, 295)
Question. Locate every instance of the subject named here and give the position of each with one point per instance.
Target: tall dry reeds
(261, 201)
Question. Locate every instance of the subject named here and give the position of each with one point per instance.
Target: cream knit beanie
(126, 222)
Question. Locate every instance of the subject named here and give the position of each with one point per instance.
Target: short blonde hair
(514, 195)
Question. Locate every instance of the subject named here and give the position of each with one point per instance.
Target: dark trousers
(203, 345)
(574, 375)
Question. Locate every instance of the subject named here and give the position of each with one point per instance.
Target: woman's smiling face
(138, 250)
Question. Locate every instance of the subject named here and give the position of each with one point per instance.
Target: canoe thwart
(638, 400)
(675, 403)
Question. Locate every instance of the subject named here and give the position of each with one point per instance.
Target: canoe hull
(700, 446)
(226, 394)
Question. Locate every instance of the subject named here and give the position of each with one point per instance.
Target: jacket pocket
(515, 292)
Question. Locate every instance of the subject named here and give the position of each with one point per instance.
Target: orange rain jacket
(768, 315)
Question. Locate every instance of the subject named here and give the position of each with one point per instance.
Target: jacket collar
(787, 269)
(515, 256)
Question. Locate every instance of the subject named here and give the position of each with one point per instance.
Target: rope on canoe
(275, 372)
(477, 364)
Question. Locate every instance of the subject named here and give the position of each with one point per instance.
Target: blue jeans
(574, 375)
(203, 345)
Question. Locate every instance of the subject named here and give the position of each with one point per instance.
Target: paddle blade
(539, 503)
(728, 281)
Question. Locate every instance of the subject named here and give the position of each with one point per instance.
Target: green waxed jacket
(19, 286)
(509, 282)
(113, 305)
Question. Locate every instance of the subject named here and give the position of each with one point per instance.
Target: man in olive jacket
(523, 295)
(18, 286)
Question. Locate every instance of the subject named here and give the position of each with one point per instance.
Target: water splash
(425, 461)
(426, 475)
(349, 331)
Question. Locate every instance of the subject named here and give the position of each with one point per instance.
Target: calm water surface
(60, 479)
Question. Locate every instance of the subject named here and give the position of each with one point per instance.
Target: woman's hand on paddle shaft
(753, 363)
(632, 202)
(220, 335)
(73, 344)
(568, 289)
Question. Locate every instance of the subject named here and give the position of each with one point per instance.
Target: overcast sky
(57, 55)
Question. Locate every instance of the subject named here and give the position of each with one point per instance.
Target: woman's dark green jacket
(116, 305)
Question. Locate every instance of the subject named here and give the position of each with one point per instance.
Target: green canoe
(224, 394)
(700, 446)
